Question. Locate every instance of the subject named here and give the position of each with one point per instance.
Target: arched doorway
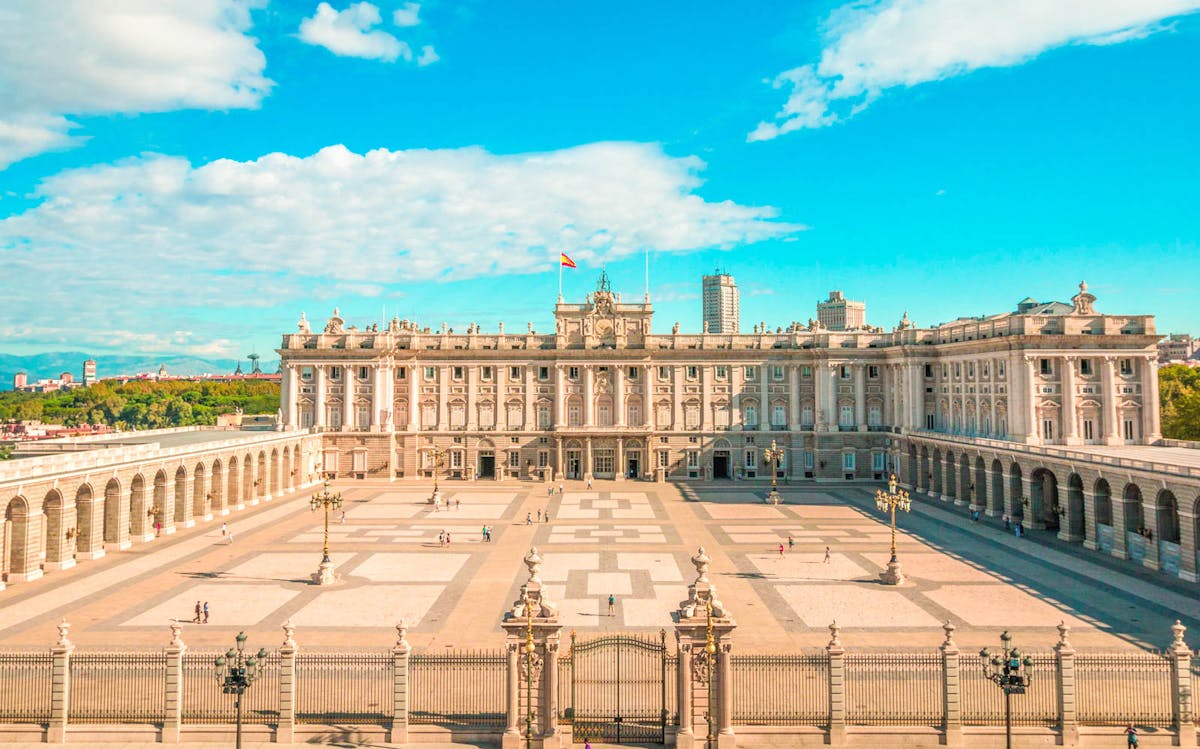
(1105, 533)
(59, 537)
(116, 515)
(159, 511)
(485, 459)
(182, 510)
(913, 467)
(935, 484)
(201, 498)
(722, 459)
(1075, 515)
(20, 545)
(1016, 493)
(925, 475)
(234, 484)
(1043, 504)
(997, 504)
(248, 477)
(1167, 522)
(139, 512)
(951, 491)
(635, 459)
(217, 488)
(89, 523)
(980, 498)
(1135, 523)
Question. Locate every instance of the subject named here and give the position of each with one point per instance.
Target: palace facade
(606, 396)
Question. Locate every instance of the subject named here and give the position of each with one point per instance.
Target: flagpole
(560, 266)
(647, 251)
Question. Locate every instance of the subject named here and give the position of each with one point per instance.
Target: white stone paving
(411, 567)
(369, 606)
(228, 603)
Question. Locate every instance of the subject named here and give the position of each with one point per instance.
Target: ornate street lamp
(1010, 672)
(324, 574)
(772, 456)
(888, 502)
(439, 461)
(235, 673)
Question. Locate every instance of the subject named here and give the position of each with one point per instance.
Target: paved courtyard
(629, 540)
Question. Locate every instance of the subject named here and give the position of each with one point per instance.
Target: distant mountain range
(51, 365)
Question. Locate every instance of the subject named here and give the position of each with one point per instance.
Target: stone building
(606, 396)
(839, 313)
(722, 304)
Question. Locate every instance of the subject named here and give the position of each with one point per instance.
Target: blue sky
(191, 180)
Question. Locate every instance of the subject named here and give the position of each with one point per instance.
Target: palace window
(929, 370)
(664, 459)
(929, 422)
(877, 461)
(971, 370)
(693, 458)
(808, 460)
(750, 373)
(691, 416)
(574, 415)
(848, 461)
(428, 415)
(457, 373)
(806, 416)
(1000, 368)
(543, 458)
(751, 459)
(635, 414)
(874, 416)
(1089, 430)
(573, 373)
(872, 372)
(335, 373)
(778, 416)
(456, 459)
(306, 373)
(1085, 367)
(514, 373)
(1127, 366)
(776, 372)
(957, 370)
(692, 372)
(487, 416)
(633, 373)
(486, 374)
(543, 373)
(664, 373)
(364, 373)
(458, 416)
(662, 415)
(364, 417)
(515, 417)
(985, 369)
(806, 372)
(543, 416)
(1047, 366)
(401, 373)
(721, 416)
(722, 372)
(845, 372)
(1130, 433)
(846, 416)
(430, 373)
(1047, 429)
(750, 416)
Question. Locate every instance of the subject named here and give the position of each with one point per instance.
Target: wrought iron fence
(118, 687)
(781, 690)
(1119, 688)
(344, 687)
(894, 688)
(25, 686)
(983, 700)
(204, 702)
(463, 689)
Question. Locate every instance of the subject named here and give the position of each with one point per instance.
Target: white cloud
(80, 57)
(428, 56)
(349, 33)
(871, 47)
(145, 240)
(409, 15)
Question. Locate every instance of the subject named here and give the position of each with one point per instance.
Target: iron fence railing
(118, 687)
(894, 688)
(1119, 688)
(982, 699)
(344, 687)
(463, 689)
(204, 702)
(781, 690)
(25, 686)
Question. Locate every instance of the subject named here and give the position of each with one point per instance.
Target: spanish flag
(565, 261)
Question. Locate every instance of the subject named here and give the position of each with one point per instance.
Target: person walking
(549, 490)
(196, 618)
(826, 555)
(231, 537)
(206, 612)
(791, 542)
(612, 605)
(539, 514)
(529, 518)
(483, 534)
(560, 488)
(781, 550)
(447, 538)
(589, 483)
(441, 538)
(1131, 735)
(1007, 524)
(546, 516)
(342, 518)
(224, 530)
(457, 504)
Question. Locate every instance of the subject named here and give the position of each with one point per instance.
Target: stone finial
(1063, 632)
(289, 634)
(176, 634)
(303, 325)
(402, 634)
(948, 628)
(834, 630)
(63, 628)
(533, 562)
(701, 561)
(1177, 630)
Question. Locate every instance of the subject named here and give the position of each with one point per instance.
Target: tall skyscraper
(839, 313)
(89, 373)
(721, 303)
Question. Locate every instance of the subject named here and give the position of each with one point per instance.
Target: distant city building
(64, 381)
(89, 373)
(1177, 348)
(721, 303)
(839, 313)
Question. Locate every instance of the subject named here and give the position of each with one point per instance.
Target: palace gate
(616, 688)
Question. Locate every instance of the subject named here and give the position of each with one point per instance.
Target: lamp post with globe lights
(1009, 671)
(439, 460)
(325, 572)
(888, 501)
(772, 456)
(235, 672)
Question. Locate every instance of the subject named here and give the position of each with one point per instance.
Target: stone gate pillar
(704, 633)
(173, 700)
(532, 635)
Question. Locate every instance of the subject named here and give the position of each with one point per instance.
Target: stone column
(319, 396)
(699, 616)
(1089, 521)
(1187, 546)
(837, 687)
(917, 382)
(989, 493)
(764, 406)
(443, 398)
(1064, 655)
(1109, 397)
(532, 630)
(548, 699)
(89, 544)
(530, 392)
(1117, 503)
(619, 395)
(173, 719)
(398, 734)
(648, 409)
(951, 688)
(285, 732)
(512, 733)
(472, 380)
(1151, 430)
(589, 396)
(706, 386)
(414, 396)
(349, 378)
(735, 402)
(684, 676)
(378, 400)
(835, 411)
(1034, 434)
(560, 397)
(860, 396)
(677, 421)
(587, 457)
(794, 397)
(60, 686)
(725, 736)
(888, 414)
(1181, 687)
(1070, 421)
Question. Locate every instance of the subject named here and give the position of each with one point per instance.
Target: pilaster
(1181, 687)
(400, 660)
(951, 688)
(173, 718)
(285, 732)
(1064, 657)
(60, 686)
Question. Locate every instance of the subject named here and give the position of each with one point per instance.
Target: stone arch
(913, 466)
(935, 465)
(285, 467)
(1131, 502)
(116, 514)
(1103, 494)
(261, 479)
(201, 497)
(58, 517)
(1075, 511)
(138, 509)
(273, 489)
(950, 480)
(1043, 500)
(89, 523)
(1016, 492)
(160, 510)
(1166, 510)
(182, 510)
(19, 560)
(248, 480)
(966, 487)
(997, 505)
(233, 483)
(216, 485)
(297, 461)
(981, 487)
(925, 475)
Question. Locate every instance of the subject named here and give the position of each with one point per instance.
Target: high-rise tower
(721, 303)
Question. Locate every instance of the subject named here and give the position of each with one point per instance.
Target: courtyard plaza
(630, 540)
